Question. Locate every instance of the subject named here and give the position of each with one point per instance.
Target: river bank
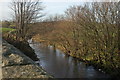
(114, 73)
(59, 65)
(24, 47)
(17, 65)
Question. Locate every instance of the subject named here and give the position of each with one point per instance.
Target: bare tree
(25, 12)
(118, 24)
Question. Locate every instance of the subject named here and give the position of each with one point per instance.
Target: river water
(61, 66)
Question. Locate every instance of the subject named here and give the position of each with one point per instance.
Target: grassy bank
(21, 45)
(4, 30)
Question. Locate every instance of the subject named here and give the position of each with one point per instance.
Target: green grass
(6, 30)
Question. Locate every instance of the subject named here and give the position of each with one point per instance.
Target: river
(61, 66)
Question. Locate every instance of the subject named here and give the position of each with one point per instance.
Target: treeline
(89, 32)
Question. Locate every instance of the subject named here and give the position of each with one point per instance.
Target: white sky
(52, 6)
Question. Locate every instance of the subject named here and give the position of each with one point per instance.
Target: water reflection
(61, 66)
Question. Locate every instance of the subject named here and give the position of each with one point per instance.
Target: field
(6, 30)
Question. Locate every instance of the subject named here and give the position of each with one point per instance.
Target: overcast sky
(51, 7)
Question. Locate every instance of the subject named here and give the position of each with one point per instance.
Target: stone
(17, 65)
(23, 71)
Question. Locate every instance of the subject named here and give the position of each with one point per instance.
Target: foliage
(25, 12)
(88, 32)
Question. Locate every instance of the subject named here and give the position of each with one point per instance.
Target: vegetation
(89, 32)
(4, 30)
(24, 13)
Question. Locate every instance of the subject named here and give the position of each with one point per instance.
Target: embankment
(23, 46)
(17, 65)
